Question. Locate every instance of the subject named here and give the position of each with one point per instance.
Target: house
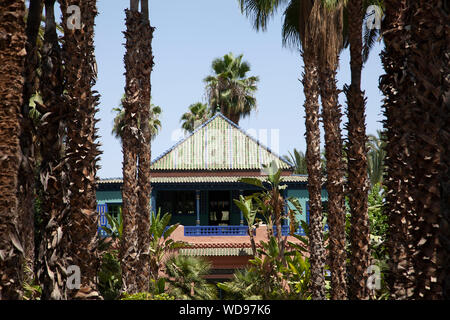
(197, 179)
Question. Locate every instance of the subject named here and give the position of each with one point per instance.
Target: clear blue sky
(188, 36)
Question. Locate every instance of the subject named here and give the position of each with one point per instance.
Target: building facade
(197, 180)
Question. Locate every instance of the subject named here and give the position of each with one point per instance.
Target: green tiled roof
(109, 196)
(218, 144)
(209, 179)
(216, 252)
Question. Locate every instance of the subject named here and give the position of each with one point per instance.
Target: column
(286, 209)
(153, 201)
(242, 215)
(197, 208)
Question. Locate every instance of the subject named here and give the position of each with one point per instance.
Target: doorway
(219, 208)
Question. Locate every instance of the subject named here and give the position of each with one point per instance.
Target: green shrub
(110, 276)
(147, 296)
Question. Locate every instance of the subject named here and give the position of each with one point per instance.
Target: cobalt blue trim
(202, 231)
(307, 212)
(102, 209)
(285, 231)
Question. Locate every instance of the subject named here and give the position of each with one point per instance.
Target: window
(176, 202)
(114, 210)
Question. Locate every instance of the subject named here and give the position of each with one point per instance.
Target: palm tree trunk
(426, 66)
(134, 5)
(12, 59)
(316, 249)
(143, 212)
(26, 189)
(331, 115)
(144, 10)
(82, 149)
(53, 255)
(357, 161)
(130, 141)
(445, 170)
(400, 174)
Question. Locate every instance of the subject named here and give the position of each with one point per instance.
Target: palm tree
(147, 124)
(299, 160)
(297, 31)
(428, 67)
(13, 53)
(26, 188)
(416, 107)
(186, 278)
(399, 180)
(128, 245)
(322, 40)
(52, 255)
(82, 149)
(358, 185)
(229, 90)
(328, 24)
(136, 138)
(197, 115)
(119, 124)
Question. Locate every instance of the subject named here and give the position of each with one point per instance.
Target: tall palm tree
(229, 90)
(119, 123)
(297, 31)
(53, 255)
(358, 184)
(328, 33)
(324, 33)
(12, 53)
(416, 107)
(198, 114)
(26, 188)
(428, 67)
(399, 179)
(130, 140)
(136, 138)
(82, 149)
(321, 33)
(145, 116)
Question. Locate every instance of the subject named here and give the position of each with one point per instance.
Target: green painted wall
(302, 195)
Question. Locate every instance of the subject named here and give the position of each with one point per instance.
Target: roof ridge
(256, 140)
(187, 137)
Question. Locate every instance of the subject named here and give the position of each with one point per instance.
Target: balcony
(211, 231)
(207, 231)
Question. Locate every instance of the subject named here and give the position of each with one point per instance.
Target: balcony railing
(206, 231)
